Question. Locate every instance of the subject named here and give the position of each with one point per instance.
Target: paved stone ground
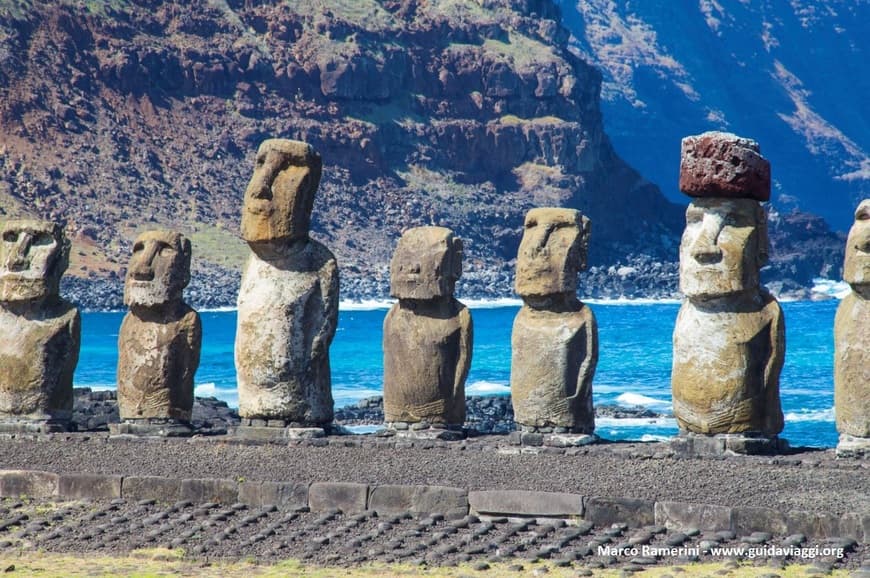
(211, 531)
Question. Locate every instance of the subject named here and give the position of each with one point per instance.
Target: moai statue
(39, 347)
(288, 301)
(729, 339)
(554, 344)
(852, 343)
(427, 336)
(160, 338)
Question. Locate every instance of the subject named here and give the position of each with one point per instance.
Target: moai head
(856, 271)
(725, 241)
(552, 252)
(426, 264)
(159, 269)
(33, 256)
(280, 195)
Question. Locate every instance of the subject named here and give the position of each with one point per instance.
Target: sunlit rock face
(428, 333)
(288, 300)
(160, 338)
(40, 331)
(852, 338)
(729, 339)
(554, 343)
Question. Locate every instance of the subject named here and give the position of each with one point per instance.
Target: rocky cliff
(121, 116)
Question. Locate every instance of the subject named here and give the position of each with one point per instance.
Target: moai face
(552, 252)
(159, 269)
(426, 264)
(280, 195)
(723, 247)
(856, 270)
(33, 256)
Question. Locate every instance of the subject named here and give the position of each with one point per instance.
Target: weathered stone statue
(729, 339)
(427, 334)
(554, 343)
(160, 338)
(39, 331)
(852, 342)
(288, 301)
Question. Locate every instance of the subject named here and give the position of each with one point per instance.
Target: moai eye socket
(138, 247)
(10, 236)
(43, 239)
(166, 250)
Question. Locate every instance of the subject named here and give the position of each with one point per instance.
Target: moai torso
(157, 361)
(552, 364)
(554, 342)
(38, 356)
(287, 315)
(160, 337)
(39, 331)
(428, 333)
(852, 333)
(426, 360)
(729, 338)
(725, 373)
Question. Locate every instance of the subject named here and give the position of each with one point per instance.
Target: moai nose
(705, 248)
(143, 269)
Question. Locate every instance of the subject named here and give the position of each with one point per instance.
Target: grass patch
(148, 564)
(524, 52)
(368, 14)
(513, 119)
(218, 246)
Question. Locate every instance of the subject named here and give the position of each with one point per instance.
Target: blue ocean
(634, 366)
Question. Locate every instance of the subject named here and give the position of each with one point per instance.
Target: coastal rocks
(729, 339)
(160, 337)
(41, 331)
(427, 334)
(288, 300)
(554, 343)
(852, 342)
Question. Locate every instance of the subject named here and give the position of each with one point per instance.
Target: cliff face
(136, 115)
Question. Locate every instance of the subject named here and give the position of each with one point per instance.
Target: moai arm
(466, 344)
(329, 289)
(75, 336)
(194, 343)
(773, 367)
(590, 357)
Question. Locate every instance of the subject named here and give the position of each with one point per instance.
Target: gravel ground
(810, 481)
(335, 539)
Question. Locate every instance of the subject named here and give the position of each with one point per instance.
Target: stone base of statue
(422, 430)
(276, 430)
(167, 428)
(853, 447)
(556, 437)
(33, 426)
(748, 444)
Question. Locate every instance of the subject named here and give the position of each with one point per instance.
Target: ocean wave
(487, 388)
(655, 438)
(636, 399)
(218, 309)
(809, 415)
(99, 386)
(366, 305)
(638, 301)
(495, 303)
(830, 288)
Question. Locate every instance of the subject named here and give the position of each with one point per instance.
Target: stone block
(210, 490)
(94, 486)
(151, 488)
(748, 520)
(683, 515)
(281, 494)
(606, 511)
(33, 484)
(526, 503)
(345, 496)
(451, 502)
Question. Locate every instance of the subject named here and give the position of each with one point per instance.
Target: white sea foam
(101, 386)
(217, 309)
(654, 438)
(362, 429)
(366, 305)
(634, 399)
(231, 396)
(492, 303)
(487, 388)
(627, 301)
(830, 288)
(620, 422)
(810, 415)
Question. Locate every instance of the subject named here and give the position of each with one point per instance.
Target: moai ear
(457, 248)
(186, 252)
(586, 233)
(762, 236)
